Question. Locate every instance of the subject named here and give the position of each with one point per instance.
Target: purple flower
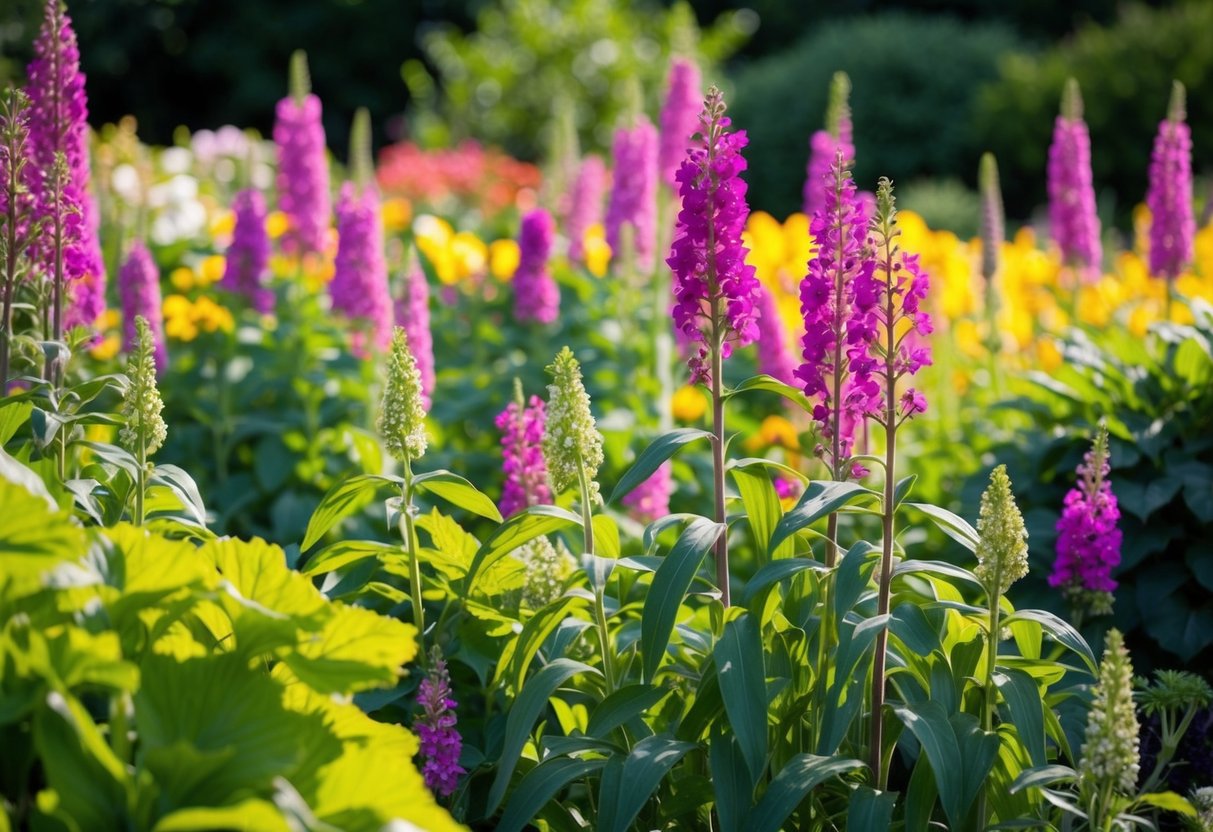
(633, 198)
(413, 313)
(139, 286)
(1072, 217)
(774, 357)
(679, 117)
(1172, 223)
(58, 123)
(1088, 540)
(716, 291)
(650, 500)
(825, 144)
(245, 270)
(585, 204)
(526, 473)
(536, 295)
(359, 287)
(303, 173)
(435, 727)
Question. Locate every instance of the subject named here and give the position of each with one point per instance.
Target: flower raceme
(139, 287)
(303, 170)
(522, 430)
(1172, 224)
(359, 287)
(1072, 218)
(572, 444)
(536, 295)
(1110, 755)
(633, 198)
(679, 117)
(247, 257)
(1002, 547)
(825, 144)
(585, 204)
(412, 312)
(402, 415)
(435, 727)
(716, 291)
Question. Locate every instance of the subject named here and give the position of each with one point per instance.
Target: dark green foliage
(914, 81)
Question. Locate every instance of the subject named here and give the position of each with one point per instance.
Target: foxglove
(1088, 537)
(303, 170)
(441, 743)
(522, 428)
(650, 500)
(633, 197)
(245, 270)
(139, 286)
(679, 117)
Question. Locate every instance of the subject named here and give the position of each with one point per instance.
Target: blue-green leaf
(819, 499)
(950, 524)
(1027, 710)
(340, 502)
(870, 810)
(621, 706)
(520, 528)
(769, 384)
(794, 781)
(627, 783)
(739, 666)
(774, 572)
(539, 786)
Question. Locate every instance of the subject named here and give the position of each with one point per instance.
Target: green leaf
(518, 529)
(950, 524)
(762, 508)
(539, 786)
(819, 499)
(516, 658)
(356, 650)
(768, 384)
(250, 813)
(89, 782)
(344, 552)
(903, 488)
(16, 473)
(773, 573)
(734, 790)
(870, 810)
(13, 414)
(606, 537)
(1041, 776)
(928, 722)
(1168, 802)
(669, 587)
(34, 541)
(1061, 631)
(458, 492)
(184, 488)
(340, 502)
(627, 783)
(791, 784)
(621, 706)
(1027, 710)
(739, 666)
(522, 715)
(651, 458)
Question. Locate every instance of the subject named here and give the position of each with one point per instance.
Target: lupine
(1172, 222)
(139, 287)
(1088, 537)
(585, 204)
(536, 295)
(248, 256)
(1072, 217)
(774, 357)
(359, 287)
(58, 124)
(402, 414)
(824, 146)
(303, 170)
(441, 743)
(679, 117)
(572, 445)
(633, 197)
(413, 313)
(1110, 755)
(522, 426)
(650, 500)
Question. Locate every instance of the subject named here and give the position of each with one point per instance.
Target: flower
(774, 357)
(412, 311)
(141, 405)
(303, 170)
(633, 197)
(650, 500)
(597, 252)
(1172, 224)
(536, 296)
(547, 568)
(572, 445)
(402, 414)
(585, 204)
(503, 259)
(139, 287)
(359, 287)
(1002, 547)
(687, 404)
(249, 254)
(435, 727)
(1088, 540)
(526, 477)
(1072, 217)
(1110, 753)
(716, 291)
(824, 145)
(679, 117)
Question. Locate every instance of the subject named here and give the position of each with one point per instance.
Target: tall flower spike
(536, 295)
(993, 235)
(1072, 217)
(59, 124)
(716, 290)
(633, 197)
(1110, 753)
(585, 204)
(1002, 542)
(17, 185)
(679, 117)
(435, 727)
(774, 357)
(413, 313)
(139, 286)
(402, 415)
(141, 405)
(1172, 222)
(522, 431)
(825, 144)
(303, 169)
(547, 568)
(245, 271)
(571, 440)
(1088, 539)
(650, 500)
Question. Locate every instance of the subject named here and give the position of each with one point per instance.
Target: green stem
(141, 479)
(410, 546)
(600, 620)
(722, 542)
(989, 700)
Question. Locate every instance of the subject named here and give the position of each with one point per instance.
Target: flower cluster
(249, 254)
(303, 169)
(650, 500)
(1088, 540)
(825, 145)
(585, 204)
(522, 430)
(435, 727)
(1110, 753)
(402, 415)
(679, 117)
(1172, 224)
(774, 357)
(571, 441)
(547, 567)
(536, 295)
(359, 287)
(1002, 542)
(142, 404)
(412, 310)
(633, 198)
(139, 287)
(1072, 217)
(715, 289)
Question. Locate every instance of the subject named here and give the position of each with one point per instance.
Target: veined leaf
(344, 552)
(950, 524)
(340, 502)
(651, 458)
(458, 492)
(730, 780)
(356, 650)
(516, 658)
(769, 384)
(518, 529)
(818, 500)
(539, 786)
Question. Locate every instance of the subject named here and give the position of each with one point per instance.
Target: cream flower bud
(142, 404)
(1002, 548)
(571, 437)
(1110, 753)
(402, 415)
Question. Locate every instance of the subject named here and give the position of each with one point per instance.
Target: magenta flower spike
(825, 144)
(303, 170)
(441, 743)
(1172, 223)
(536, 295)
(774, 357)
(650, 500)
(526, 474)
(413, 313)
(245, 271)
(139, 287)
(359, 287)
(633, 197)
(679, 117)
(1072, 215)
(585, 204)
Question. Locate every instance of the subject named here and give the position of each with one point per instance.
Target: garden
(642, 439)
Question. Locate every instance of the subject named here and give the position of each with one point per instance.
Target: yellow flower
(223, 224)
(107, 349)
(469, 253)
(397, 213)
(774, 431)
(596, 249)
(276, 224)
(1048, 355)
(175, 306)
(503, 259)
(110, 319)
(210, 270)
(688, 405)
(182, 278)
(211, 317)
(180, 328)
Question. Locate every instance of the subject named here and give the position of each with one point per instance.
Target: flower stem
(722, 542)
(410, 545)
(604, 634)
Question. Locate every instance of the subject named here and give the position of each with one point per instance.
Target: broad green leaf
(651, 458)
(734, 791)
(670, 584)
(768, 384)
(1061, 631)
(344, 552)
(950, 524)
(937, 567)
(789, 787)
(739, 666)
(183, 486)
(1027, 710)
(621, 706)
(77, 658)
(539, 786)
(518, 529)
(870, 810)
(606, 537)
(818, 500)
(13, 414)
(34, 541)
(251, 813)
(910, 624)
(14, 473)
(762, 508)
(928, 722)
(340, 502)
(458, 492)
(516, 658)
(113, 455)
(773, 573)
(87, 782)
(978, 751)
(627, 783)
(1168, 802)
(356, 650)
(1041, 776)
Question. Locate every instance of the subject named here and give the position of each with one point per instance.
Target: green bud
(362, 163)
(1177, 110)
(1071, 101)
(1002, 549)
(1109, 754)
(141, 406)
(300, 79)
(839, 107)
(571, 438)
(402, 415)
